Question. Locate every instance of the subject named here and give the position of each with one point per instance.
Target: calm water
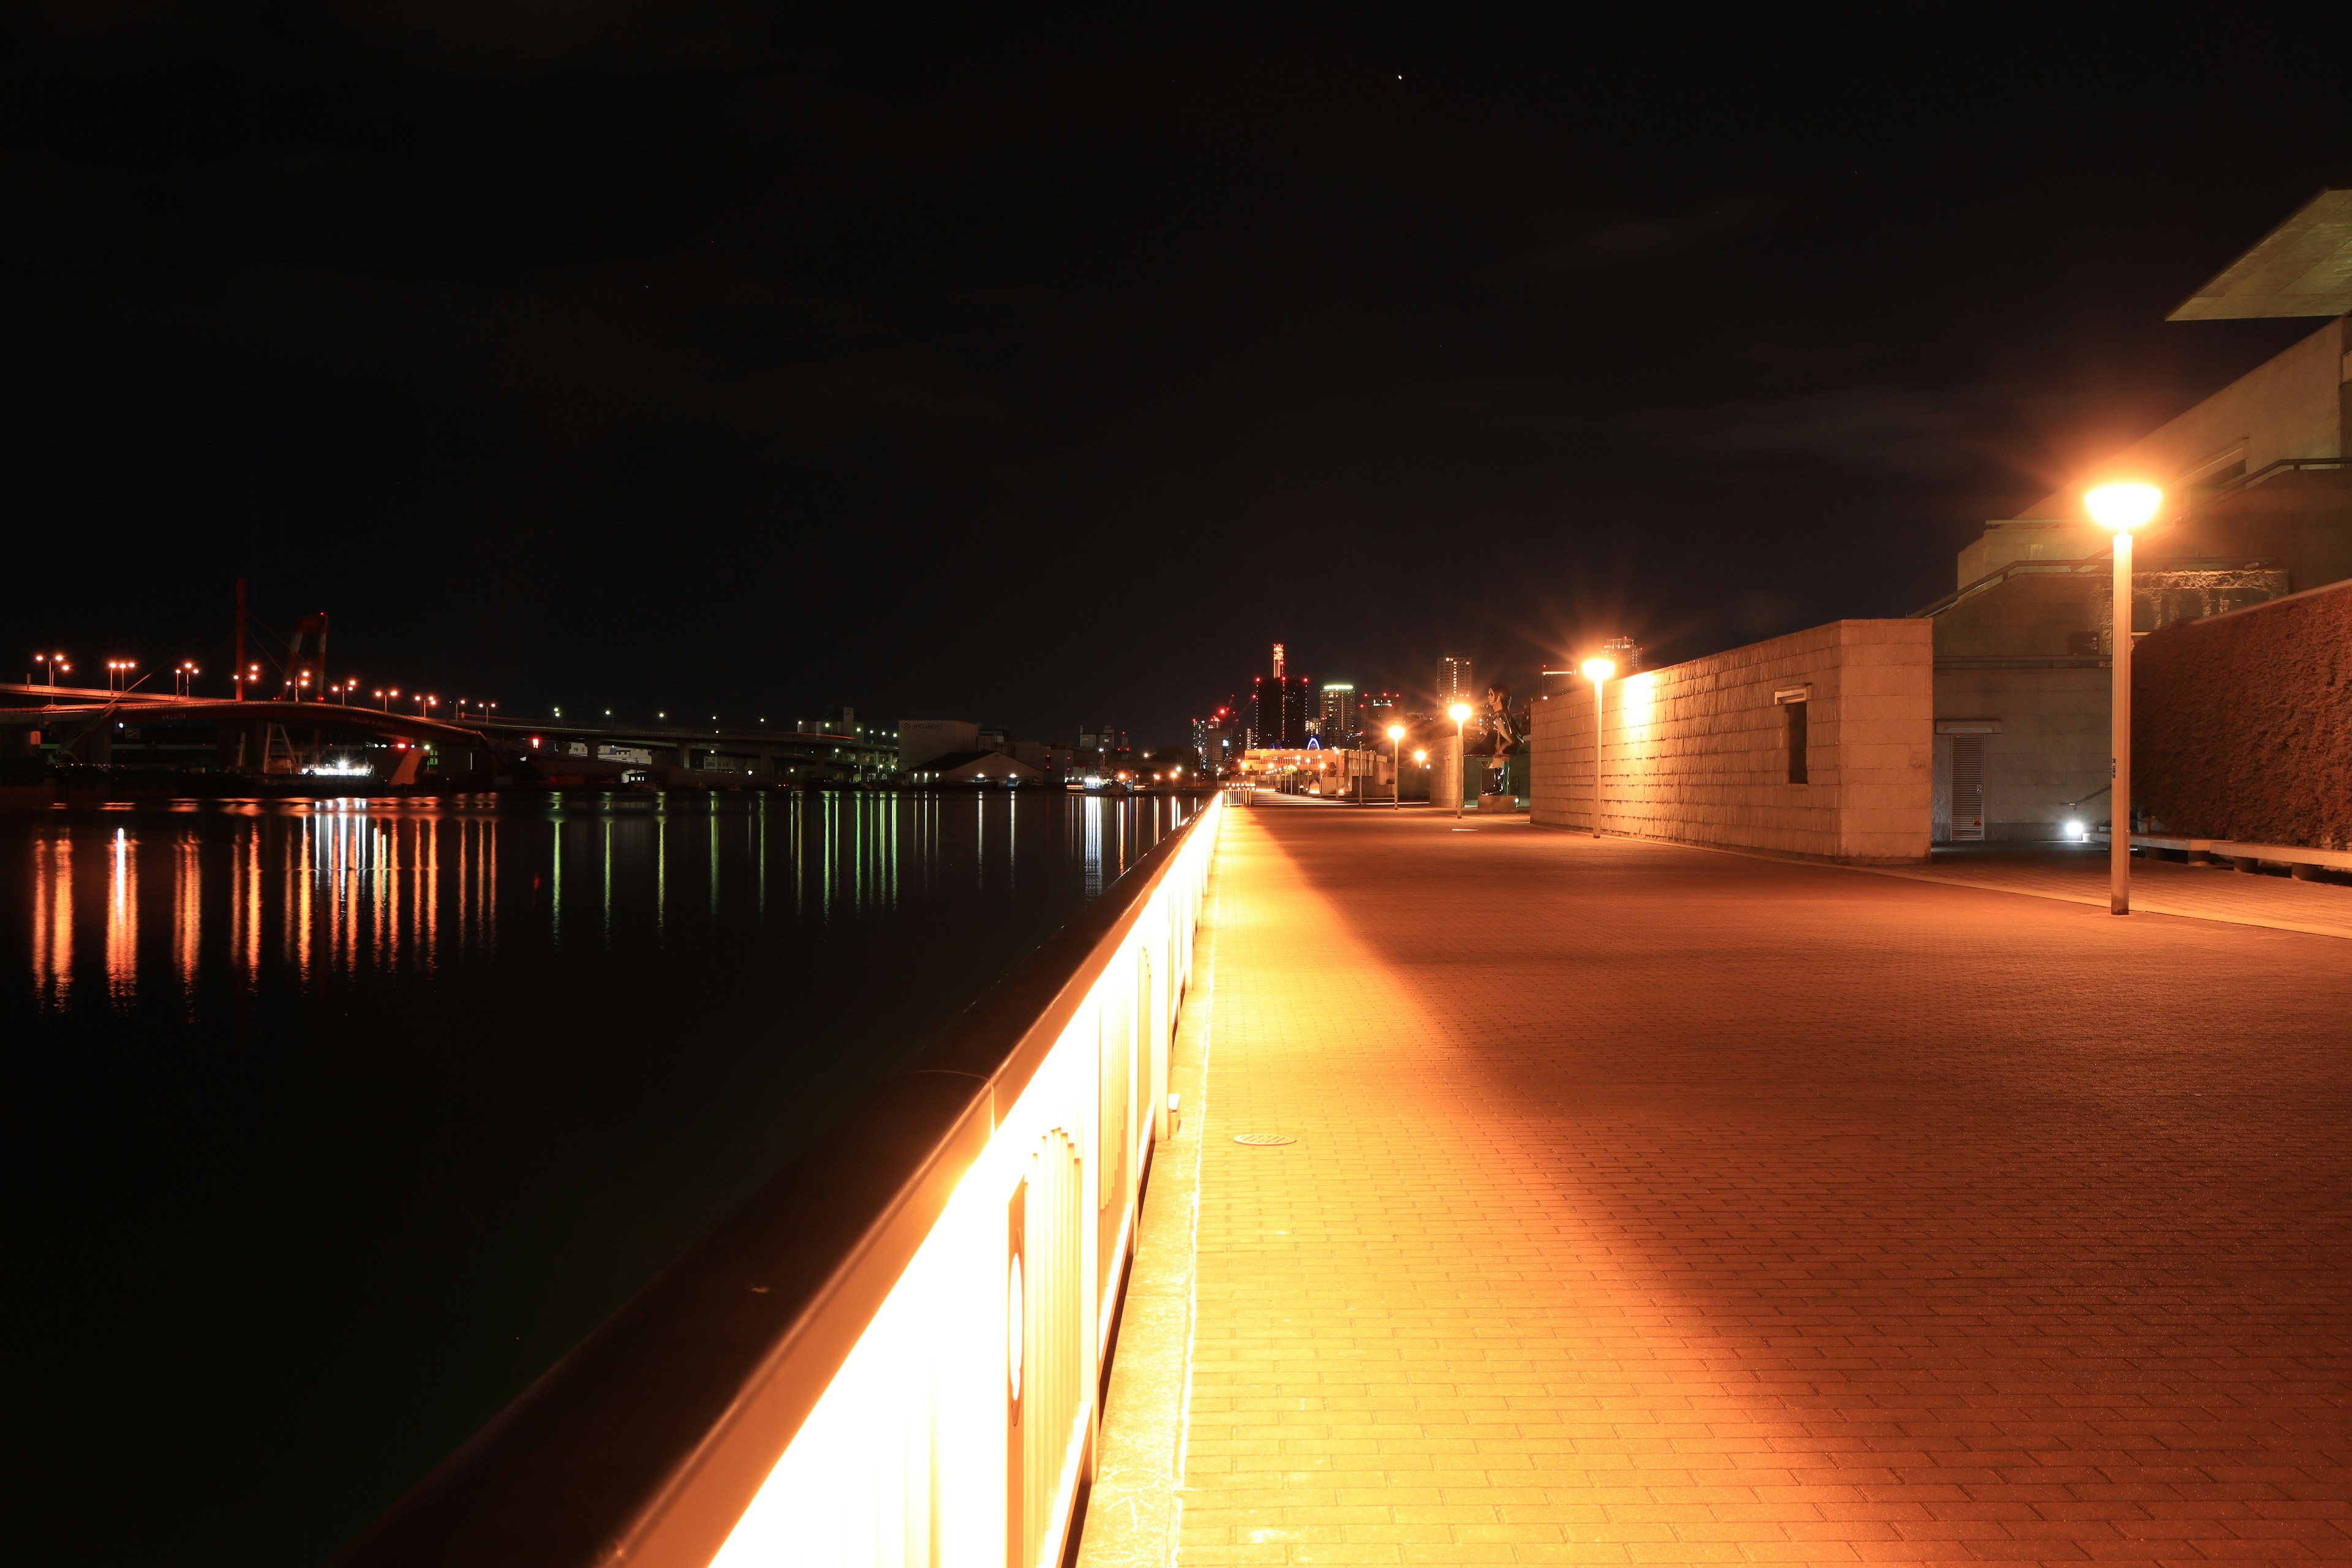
(334, 1123)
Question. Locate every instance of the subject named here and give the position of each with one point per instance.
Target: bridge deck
(1656, 1205)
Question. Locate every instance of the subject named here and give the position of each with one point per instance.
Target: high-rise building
(1454, 682)
(1277, 710)
(1626, 652)
(1277, 661)
(1336, 723)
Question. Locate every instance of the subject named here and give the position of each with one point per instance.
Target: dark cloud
(1627, 241)
(1929, 435)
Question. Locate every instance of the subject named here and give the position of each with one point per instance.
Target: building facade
(2259, 505)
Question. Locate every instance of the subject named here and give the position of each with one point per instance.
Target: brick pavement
(1656, 1205)
(2158, 886)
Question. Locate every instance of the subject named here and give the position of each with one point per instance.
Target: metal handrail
(2272, 469)
(646, 1444)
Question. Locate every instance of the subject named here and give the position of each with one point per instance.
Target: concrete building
(920, 740)
(1101, 749)
(2260, 506)
(983, 768)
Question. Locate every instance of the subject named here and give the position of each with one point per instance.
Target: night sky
(756, 359)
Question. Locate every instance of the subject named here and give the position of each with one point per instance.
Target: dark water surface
(332, 1124)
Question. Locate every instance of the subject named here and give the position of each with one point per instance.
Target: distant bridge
(125, 725)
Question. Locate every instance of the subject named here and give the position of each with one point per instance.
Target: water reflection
(207, 894)
(53, 919)
(402, 1097)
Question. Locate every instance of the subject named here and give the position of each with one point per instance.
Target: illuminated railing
(893, 1354)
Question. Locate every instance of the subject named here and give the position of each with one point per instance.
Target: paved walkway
(2158, 887)
(1649, 1205)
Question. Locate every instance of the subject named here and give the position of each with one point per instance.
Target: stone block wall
(2242, 724)
(2046, 757)
(1699, 753)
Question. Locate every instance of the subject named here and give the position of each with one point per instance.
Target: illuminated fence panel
(893, 1355)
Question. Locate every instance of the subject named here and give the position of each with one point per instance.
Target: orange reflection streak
(53, 919)
(464, 833)
(300, 876)
(334, 866)
(387, 888)
(187, 910)
(413, 860)
(347, 886)
(428, 929)
(121, 924)
(251, 902)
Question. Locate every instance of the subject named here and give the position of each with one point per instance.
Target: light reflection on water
(338, 886)
(330, 1125)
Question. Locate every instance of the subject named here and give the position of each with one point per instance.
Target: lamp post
(1460, 714)
(2121, 508)
(1396, 766)
(1598, 671)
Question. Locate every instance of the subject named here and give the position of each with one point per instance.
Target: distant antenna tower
(1277, 661)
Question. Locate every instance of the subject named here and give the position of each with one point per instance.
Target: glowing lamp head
(2123, 507)
(1459, 712)
(1599, 668)
(1396, 732)
(1421, 756)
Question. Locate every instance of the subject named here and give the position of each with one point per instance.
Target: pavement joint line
(2140, 906)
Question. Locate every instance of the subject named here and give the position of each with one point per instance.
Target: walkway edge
(1136, 1507)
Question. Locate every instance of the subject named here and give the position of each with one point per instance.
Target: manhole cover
(1263, 1140)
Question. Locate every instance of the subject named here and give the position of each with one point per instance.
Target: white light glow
(2123, 507)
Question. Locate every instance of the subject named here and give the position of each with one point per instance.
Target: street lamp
(2121, 508)
(1598, 670)
(1460, 714)
(56, 662)
(186, 675)
(1396, 765)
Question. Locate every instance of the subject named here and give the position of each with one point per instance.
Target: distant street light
(56, 662)
(1598, 670)
(1460, 714)
(1396, 766)
(183, 677)
(2121, 508)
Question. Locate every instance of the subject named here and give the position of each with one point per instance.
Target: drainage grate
(1263, 1140)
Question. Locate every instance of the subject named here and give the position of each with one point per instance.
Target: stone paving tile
(1652, 1205)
